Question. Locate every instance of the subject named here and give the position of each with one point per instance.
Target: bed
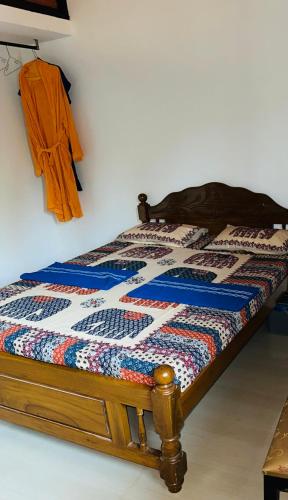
(91, 409)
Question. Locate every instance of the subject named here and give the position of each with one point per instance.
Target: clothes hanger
(3, 63)
(12, 64)
(35, 54)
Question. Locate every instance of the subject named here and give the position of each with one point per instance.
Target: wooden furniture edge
(274, 469)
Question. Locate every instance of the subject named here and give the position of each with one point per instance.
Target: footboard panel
(77, 411)
(76, 406)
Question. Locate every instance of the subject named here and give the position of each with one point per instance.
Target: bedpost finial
(168, 421)
(164, 375)
(142, 197)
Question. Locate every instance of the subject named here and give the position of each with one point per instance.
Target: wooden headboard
(214, 205)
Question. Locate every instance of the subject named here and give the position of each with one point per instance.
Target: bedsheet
(109, 332)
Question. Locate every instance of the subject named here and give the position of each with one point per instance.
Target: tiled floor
(226, 439)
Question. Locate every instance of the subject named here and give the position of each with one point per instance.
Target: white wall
(166, 94)
(30, 237)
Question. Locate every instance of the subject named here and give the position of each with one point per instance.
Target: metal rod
(21, 45)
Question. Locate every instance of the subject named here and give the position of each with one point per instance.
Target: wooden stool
(275, 468)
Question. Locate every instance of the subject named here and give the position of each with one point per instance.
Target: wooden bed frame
(90, 409)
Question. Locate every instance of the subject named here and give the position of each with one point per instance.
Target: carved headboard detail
(214, 205)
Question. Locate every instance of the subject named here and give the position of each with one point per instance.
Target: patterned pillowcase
(175, 235)
(202, 242)
(252, 240)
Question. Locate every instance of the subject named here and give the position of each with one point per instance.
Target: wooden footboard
(91, 410)
(77, 406)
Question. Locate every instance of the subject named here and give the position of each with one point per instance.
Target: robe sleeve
(77, 152)
(31, 139)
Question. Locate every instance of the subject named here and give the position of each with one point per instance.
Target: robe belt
(51, 151)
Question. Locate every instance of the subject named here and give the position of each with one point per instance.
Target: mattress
(123, 332)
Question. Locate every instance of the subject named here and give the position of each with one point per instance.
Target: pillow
(202, 242)
(175, 235)
(250, 239)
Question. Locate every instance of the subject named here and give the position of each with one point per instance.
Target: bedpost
(168, 421)
(143, 208)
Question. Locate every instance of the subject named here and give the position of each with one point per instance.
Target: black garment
(79, 187)
(67, 87)
(66, 83)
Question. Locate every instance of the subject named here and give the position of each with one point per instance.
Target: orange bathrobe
(51, 128)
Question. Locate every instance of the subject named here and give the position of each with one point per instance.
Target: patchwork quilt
(128, 329)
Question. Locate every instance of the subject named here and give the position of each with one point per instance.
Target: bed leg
(168, 421)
